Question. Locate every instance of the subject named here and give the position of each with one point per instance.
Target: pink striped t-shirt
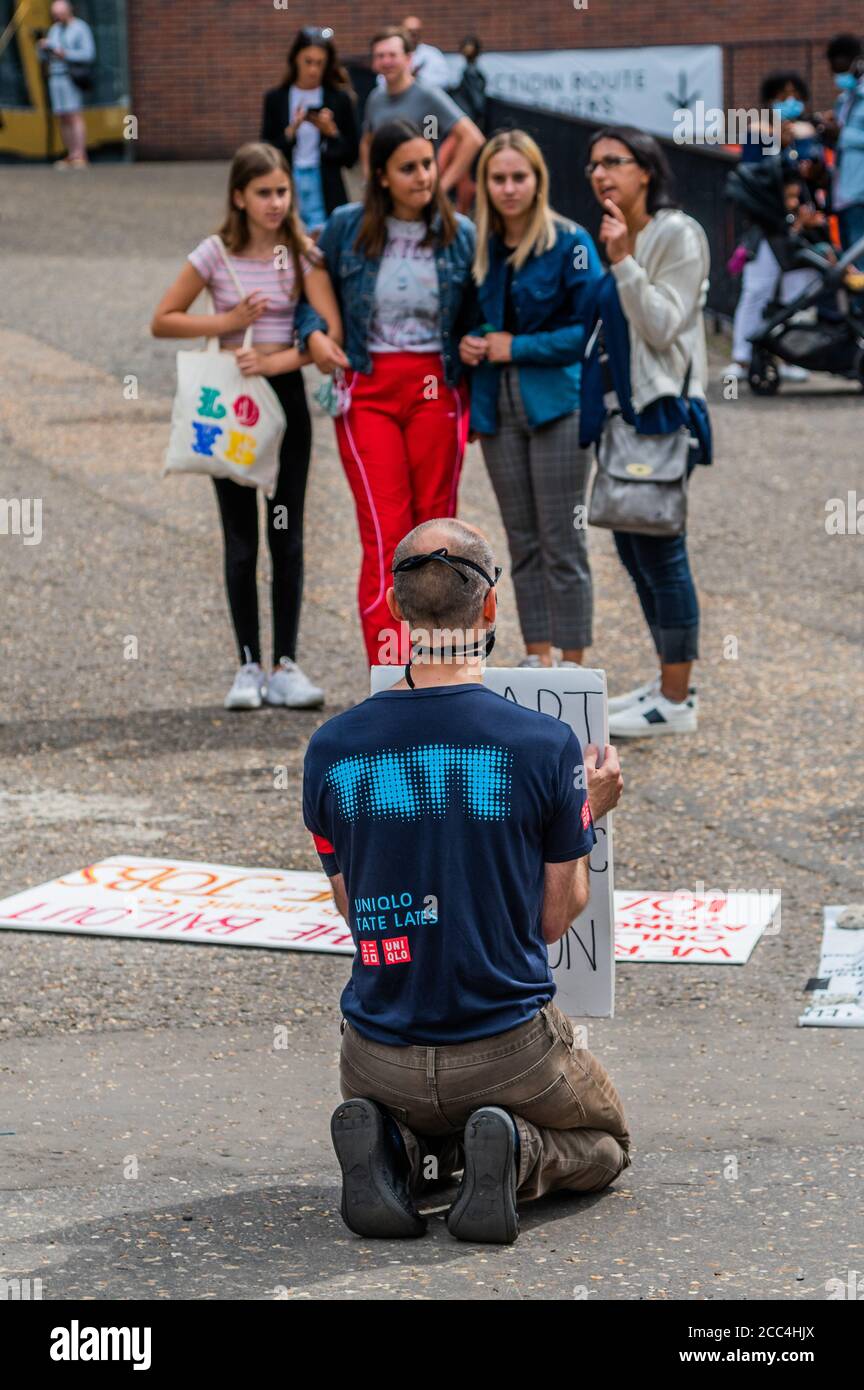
(276, 324)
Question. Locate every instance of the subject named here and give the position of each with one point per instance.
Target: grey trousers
(540, 477)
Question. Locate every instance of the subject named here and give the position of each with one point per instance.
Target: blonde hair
(251, 162)
(540, 234)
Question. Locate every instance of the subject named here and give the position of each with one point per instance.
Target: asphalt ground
(116, 1050)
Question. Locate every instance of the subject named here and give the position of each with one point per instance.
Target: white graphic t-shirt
(407, 314)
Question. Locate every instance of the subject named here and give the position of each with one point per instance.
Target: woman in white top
(260, 226)
(311, 118)
(650, 305)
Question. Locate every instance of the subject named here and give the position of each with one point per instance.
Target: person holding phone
(69, 40)
(310, 117)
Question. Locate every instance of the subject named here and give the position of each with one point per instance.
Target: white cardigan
(662, 289)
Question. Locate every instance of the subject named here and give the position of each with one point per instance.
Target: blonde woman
(535, 274)
(261, 220)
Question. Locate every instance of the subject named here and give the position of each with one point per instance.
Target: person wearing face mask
(455, 828)
(844, 128)
(786, 94)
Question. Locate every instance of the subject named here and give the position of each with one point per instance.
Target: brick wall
(199, 67)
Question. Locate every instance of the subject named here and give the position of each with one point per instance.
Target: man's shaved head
(433, 596)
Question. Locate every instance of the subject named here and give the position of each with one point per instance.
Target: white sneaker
(653, 716)
(736, 371)
(289, 686)
(644, 692)
(533, 661)
(246, 692)
(632, 697)
(788, 372)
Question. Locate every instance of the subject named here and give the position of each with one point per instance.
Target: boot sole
(485, 1209)
(371, 1206)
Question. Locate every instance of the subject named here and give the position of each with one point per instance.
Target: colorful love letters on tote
(240, 448)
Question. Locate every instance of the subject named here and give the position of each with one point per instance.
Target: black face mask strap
(415, 561)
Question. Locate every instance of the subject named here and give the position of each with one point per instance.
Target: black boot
(376, 1200)
(485, 1205)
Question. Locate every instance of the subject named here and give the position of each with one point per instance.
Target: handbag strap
(608, 383)
(247, 336)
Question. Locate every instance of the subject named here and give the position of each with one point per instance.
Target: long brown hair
(251, 162)
(378, 204)
(335, 73)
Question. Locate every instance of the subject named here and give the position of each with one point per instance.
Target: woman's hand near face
(614, 233)
(472, 351)
(499, 347)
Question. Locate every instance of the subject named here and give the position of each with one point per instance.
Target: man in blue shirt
(455, 827)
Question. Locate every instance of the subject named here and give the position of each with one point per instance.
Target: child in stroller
(811, 320)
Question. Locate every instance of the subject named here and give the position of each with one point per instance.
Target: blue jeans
(660, 570)
(310, 197)
(851, 222)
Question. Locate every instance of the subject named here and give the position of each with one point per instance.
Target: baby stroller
(820, 329)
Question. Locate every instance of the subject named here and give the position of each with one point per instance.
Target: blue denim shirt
(354, 275)
(850, 148)
(552, 298)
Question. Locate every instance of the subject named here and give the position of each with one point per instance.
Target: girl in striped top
(273, 259)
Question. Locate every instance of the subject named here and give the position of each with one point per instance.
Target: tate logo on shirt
(407, 784)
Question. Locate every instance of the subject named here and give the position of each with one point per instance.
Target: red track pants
(402, 443)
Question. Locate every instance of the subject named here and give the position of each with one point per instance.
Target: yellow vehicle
(27, 127)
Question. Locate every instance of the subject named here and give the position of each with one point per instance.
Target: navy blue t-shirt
(440, 806)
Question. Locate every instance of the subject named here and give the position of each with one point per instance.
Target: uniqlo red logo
(395, 949)
(369, 952)
(586, 815)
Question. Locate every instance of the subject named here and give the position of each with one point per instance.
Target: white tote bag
(224, 423)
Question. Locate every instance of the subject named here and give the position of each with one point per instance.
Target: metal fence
(700, 177)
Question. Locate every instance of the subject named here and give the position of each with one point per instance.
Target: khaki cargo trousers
(571, 1123)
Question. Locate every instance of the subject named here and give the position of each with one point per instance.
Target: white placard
(703, 928)
(623, 86)
(174, 900)
(839, 1001)
(583, 961)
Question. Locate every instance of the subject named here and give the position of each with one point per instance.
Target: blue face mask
(846, 81)
(789, 109)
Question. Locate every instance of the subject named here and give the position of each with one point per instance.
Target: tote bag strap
(247, 336)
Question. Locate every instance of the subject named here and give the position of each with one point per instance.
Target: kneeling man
(455, 827)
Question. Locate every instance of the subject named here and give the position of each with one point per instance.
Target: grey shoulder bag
(640, 482)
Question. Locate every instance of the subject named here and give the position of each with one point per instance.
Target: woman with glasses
(310, 117)
(652, 337)
(534, 274)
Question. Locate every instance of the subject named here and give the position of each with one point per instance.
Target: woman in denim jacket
(400, 264)
(534, 274)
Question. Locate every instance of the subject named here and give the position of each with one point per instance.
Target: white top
(663, 289)
(307, 145)
(407, 314)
